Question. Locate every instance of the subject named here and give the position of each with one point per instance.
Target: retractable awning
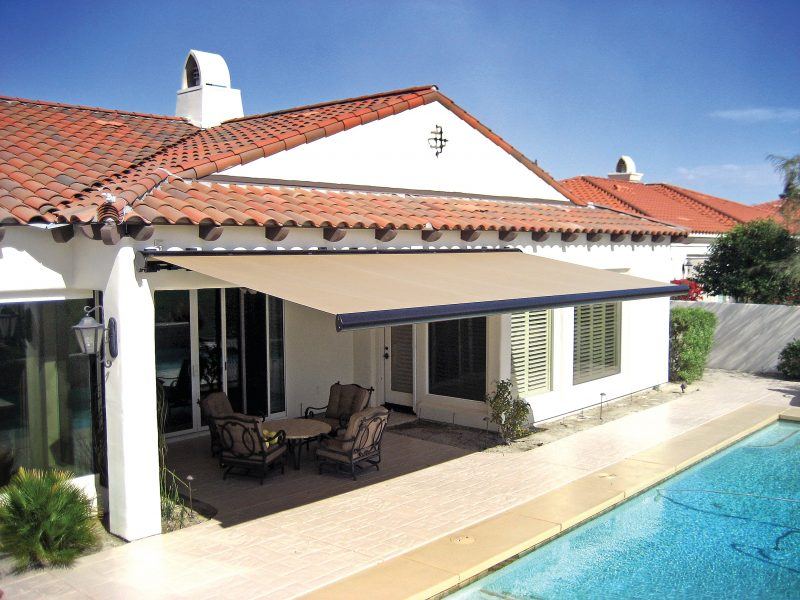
(371, 289)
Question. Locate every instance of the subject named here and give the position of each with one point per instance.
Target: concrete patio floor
(240, 498)
(268, 547)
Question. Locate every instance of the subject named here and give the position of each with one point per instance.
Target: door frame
(194, 353)
(385, 368)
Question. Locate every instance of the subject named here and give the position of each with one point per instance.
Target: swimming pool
(728, 527)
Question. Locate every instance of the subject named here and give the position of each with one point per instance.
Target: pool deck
(456, 560)
(419, 533)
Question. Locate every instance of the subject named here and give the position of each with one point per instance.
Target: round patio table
(298, 431)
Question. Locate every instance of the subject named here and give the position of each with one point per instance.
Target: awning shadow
(239, 499)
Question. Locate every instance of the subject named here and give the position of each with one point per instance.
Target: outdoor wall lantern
(8, 323)
(437, 140)
(92, 335)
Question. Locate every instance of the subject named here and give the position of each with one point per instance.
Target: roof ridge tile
(54, 104)
(305, 107)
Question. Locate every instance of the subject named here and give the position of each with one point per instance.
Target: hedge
(691, 333)
(789, 360)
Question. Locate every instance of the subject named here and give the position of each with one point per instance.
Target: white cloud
(759, 115)
(755, 174)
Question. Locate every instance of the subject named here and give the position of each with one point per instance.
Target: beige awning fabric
(371, 289)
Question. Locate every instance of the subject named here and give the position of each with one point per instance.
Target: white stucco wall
(694, 246)
(316, 355)
(32, 266)
(644, 348)
(394, 152)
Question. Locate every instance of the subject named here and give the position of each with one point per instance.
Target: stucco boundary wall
(749, 337)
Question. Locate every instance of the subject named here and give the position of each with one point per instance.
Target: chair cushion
(376, 423)
(352, 399)
(333, 409)
(323, 453)
(273, 455)
(337, 444)
(240, 435)
(334, 423)
(216, 404)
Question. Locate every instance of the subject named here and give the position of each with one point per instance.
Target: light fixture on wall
(8, 323)
(437, 140)
(92, 335)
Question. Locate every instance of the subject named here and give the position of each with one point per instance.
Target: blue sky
(697, 92)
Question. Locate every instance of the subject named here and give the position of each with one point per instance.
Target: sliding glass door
(48, 389)
(212, 340)
(174, 372)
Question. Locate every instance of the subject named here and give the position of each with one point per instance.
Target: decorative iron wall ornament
(437, 140)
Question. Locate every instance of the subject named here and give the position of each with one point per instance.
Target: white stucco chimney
(206, 97)
(626, 170)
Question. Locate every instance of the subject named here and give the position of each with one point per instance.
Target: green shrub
(45, 519)
(691, 333)
(508, 412)
(789, 360)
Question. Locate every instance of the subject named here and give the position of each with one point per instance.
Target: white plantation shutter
(596, 350)
(402, 357)
(530, 351)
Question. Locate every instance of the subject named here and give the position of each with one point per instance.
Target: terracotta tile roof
(58, 163)
(698, 212)
(179, 202)
(50, 152)
(243, 140)
(772, 207)
(57, 159)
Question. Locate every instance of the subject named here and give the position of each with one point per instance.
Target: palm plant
(789, 169)
(45, 519)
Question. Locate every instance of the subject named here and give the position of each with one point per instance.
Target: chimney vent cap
(205, 68)
(625, 170)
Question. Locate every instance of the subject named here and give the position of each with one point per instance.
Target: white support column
(130, 390)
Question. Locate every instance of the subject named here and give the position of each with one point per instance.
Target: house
(704, 216)
(392, 240)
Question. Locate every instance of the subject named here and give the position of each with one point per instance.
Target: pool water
(727, 528)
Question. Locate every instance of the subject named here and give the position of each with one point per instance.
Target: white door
(398, 364)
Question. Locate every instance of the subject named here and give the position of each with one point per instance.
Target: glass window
(46, 387)
(233, 341)
(596, 350)
(457, 358)
(255, 313)
(174, 357)
(277, 392)
(209, 329)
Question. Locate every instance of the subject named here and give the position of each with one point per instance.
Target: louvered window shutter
(596, 350)
(531, 333)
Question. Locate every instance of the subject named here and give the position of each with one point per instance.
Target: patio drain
(463, 540)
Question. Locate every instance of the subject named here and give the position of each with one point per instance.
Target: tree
(789, 168)
(753, 262)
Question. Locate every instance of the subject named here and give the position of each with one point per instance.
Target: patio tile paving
(301, 531)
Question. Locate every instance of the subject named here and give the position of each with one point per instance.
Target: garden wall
(749, 337)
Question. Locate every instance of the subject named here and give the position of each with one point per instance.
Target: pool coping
(454, 561)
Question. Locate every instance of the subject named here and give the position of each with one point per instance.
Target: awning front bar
(426, 314)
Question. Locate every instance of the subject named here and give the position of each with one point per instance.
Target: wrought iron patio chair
(344, 400)
(358, 445)
(244, 446)
(213, 407)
